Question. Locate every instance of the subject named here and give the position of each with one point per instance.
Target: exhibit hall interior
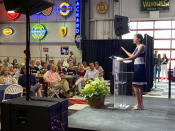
(87, 65)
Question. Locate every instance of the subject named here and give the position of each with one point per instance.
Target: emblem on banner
(102, 7)
(8, 31)
(63, 31)
(47, 11)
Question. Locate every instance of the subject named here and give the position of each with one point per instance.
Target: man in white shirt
(91, 73)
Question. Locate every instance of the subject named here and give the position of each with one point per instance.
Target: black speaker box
(33, 5)
(35, 115)
(121, 25)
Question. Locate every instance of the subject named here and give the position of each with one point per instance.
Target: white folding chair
(12, 90)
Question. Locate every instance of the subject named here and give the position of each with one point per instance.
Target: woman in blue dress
(139, 78)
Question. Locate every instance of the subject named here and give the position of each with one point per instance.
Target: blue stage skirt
(139, 77)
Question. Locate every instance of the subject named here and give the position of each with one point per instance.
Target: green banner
(154, 5)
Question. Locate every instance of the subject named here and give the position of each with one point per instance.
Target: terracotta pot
(96, 101)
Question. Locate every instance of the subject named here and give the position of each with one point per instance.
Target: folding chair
(54, 92)
(13, 90)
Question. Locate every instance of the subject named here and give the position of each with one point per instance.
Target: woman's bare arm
(128, 53)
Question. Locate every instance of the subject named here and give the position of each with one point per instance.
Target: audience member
(55, 81)
(38, 64)
(34, 86)
(33, 68)
(71, 70)
(6, 78)
(80, 74)
(99, 68)
(50, 63)
(91, 73)
(72, 58)
(14, 63)
(86, 67)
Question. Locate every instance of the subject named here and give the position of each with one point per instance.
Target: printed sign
(154, 5)
(64, 50)
(45, 49)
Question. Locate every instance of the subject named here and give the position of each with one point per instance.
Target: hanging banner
(8, 31)
(38, 32)
(63, 31)
(154, 5)
(12, 15)
(47, 11)
(78, 24)
(102, 7)
(64, 9)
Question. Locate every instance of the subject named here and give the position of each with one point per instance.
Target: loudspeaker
(121, 25)
(46, 114)
(34, 6)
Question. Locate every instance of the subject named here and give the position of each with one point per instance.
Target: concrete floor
(158, 115)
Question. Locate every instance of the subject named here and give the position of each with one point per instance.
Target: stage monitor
(121, 25)
(34, 6)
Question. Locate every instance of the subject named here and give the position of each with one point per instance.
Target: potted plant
(95, 92)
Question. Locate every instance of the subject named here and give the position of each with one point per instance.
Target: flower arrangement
(42, 71)
(96, 87)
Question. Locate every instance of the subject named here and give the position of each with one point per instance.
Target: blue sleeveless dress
(139, 77)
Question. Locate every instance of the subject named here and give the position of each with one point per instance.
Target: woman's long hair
(159, 60)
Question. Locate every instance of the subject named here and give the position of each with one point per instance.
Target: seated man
(91, 73)
(55, 81)
(34, 86)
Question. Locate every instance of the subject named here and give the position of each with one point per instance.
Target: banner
(154, 5)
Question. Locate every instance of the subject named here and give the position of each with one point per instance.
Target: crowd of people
(52, 74)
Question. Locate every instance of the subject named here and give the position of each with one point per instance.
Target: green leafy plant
(42, 71)
(95, 87)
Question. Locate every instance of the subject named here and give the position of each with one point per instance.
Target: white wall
(102, 25)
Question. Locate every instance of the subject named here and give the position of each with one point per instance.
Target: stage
(159, 114)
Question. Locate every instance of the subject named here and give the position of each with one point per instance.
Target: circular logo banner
(64, 9)
(7, 31)
(38, 32)
(102, 7)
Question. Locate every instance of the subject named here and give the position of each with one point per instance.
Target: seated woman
(6, 78)
(33, 68)
(60, 69)
(99, 68)
(86, 67)
(14, 63)
(80, 75)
